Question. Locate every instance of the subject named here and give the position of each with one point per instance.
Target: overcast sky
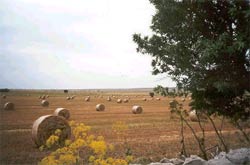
(75, 44)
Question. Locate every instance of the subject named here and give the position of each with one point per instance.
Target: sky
(75, 44)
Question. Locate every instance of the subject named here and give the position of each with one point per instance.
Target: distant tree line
(4, 90)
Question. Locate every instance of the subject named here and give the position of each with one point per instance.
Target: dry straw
(9, 106)
(100, 107)
(45, 103)
(137, 109)
(46, 125)
(62, 112)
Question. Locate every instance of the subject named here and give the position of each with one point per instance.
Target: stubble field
(151, 135)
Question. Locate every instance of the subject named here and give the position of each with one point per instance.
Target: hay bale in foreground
(100, 107)
(137, 109)
(62, 112)
(193, 116)
(119, 101)
(45, 103)
(46, 125)
(9, 106)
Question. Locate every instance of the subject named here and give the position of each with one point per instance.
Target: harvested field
(150, 135)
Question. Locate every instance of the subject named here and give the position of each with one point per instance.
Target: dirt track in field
(151, 135)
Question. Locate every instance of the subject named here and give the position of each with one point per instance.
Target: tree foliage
(204, 46)
(161, 90)
(151, 94)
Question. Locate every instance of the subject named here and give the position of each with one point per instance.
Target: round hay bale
(46, 125)
(158, 98)
(9, 106)
(72, 97)
(137, 109)
(144, 99)
(109, 99)
(87, 98)
(68, 98)
(193, 116)
(125, 100)
(45, 103)
(119, 101)
(100, 107)
(62, 112)
(4, 96)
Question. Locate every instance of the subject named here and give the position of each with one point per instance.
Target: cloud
(74, 44)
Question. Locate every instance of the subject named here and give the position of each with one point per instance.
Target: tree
(4, 90)
(151, 94)
(205, 47)
(161, 90)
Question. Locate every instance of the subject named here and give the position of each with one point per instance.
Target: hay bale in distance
(193, 116)
(137, 109)
(158, 98)
(67, 98)
(45, 103)
(72, 97)
(62, 112)
(119, 101)
(43, 97)
(9, 106)
(4, 96)
(46, 125)
(87, 98)
(100, 107)
(125, 100)
(109, 99)
(144, 99)
(47, 96)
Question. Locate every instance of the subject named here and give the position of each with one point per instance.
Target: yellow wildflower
(99, 147)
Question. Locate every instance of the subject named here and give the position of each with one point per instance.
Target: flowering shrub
(72, 151)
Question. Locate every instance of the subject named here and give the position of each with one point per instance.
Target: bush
(81, 142)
